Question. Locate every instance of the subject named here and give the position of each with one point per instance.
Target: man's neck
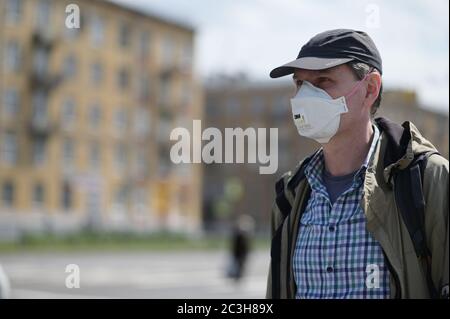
(345, 153)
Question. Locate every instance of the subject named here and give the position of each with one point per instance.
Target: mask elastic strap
(348, 95)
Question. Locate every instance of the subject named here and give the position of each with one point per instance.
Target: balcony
(40, 127)
(43, 39)
(44, 81)
(172, 71)
(41, 52)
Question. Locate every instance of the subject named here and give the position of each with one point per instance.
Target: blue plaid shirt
(335, 256)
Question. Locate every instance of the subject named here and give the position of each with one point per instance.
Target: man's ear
(373, 87)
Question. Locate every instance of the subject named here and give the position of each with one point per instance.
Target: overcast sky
(255, 36)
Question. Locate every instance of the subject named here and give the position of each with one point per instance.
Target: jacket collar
(399, 145)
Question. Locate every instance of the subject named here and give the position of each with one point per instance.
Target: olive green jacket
(396, 148)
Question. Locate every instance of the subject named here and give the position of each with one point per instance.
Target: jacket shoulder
(436, 188)
(437, 162)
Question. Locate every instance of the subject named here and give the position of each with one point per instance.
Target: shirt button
(330, 269)
(331, 228)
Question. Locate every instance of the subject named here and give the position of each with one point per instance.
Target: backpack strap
(408, 191)
(300, 173)
(281, 187)
(281, 200)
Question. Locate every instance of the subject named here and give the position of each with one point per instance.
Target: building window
(123, 78)
(14, 11)
(11, 103)
(164, 92)
(94, 116)
(68, 151)
(94, 155)
(144, 88)
(40, 62)
(187, 56)
(124, 35)
(121, 120)
(144, 43)
(39, 152)
(141, 122)
(257, 105)
(40, 116)
(96, 73)
(69, 66)
(164, 163)
(68, 112)
(8, 194)
(66, 196)
(213, 110)
(9, 148)
(12, 56)
(233, 106)
(72, 33)
(38, 195)
(97, 30)
(120, 198)
(139, 200)
(186, 94)
(43, 15)
(141, 163)
(280, 107)
(120, 156)
(168, 52)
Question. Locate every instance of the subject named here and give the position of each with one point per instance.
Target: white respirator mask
(316, 114)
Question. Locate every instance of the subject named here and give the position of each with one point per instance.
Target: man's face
(339, 81)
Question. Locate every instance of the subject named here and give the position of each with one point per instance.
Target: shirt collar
(317, 164)
(376, 137)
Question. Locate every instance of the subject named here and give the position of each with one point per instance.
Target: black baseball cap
(332, 48)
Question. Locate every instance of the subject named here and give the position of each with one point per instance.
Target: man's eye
(324, 83)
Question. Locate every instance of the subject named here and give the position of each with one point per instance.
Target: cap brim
(308, 63)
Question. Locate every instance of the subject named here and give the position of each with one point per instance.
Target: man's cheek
(349, 119)
(333, 92)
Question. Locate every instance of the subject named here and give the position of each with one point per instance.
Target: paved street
(196, 274)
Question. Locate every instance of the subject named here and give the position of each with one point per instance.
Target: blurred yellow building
(85, 119)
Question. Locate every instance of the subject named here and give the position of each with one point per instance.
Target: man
(337, 230)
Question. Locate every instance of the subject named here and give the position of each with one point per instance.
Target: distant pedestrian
(240, 246)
